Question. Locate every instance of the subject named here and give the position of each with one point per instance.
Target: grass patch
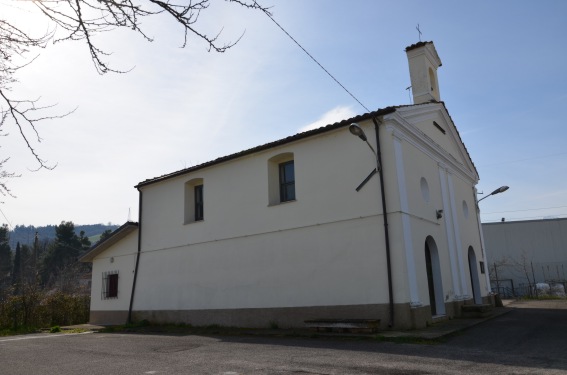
(75, 330)
(20, 331)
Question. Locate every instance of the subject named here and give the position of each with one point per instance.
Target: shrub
(36, 308)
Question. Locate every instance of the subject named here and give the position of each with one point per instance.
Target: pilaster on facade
(461, 297)
(457, 233)
(415, 304)
(443, 179)
(406, 223)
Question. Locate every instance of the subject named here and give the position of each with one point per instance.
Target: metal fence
(507, 289)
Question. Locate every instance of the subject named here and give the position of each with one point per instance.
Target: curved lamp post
(501, 189)
(355, 129)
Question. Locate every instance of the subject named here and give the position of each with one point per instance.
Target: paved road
(525, 341)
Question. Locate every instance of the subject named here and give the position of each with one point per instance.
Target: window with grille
(110, 285)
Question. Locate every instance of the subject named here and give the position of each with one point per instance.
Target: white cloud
(334, 115)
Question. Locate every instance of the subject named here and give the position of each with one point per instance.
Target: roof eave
(267, 146)
(114, 237)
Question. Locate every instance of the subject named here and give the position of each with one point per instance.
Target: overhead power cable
(527, 209)
(312, 58)
(539, 217)
(7, 221)
(526, 159)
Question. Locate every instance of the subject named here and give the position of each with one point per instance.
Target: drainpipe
(386, 232)
(137, 256)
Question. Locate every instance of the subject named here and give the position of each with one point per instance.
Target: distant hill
(25, 234)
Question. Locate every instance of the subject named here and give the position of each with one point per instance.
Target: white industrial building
(524, 253)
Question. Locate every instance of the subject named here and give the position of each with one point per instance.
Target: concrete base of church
(405, 317)
(108, 318)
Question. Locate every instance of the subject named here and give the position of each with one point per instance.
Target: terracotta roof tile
(292, 138)
(417, 45)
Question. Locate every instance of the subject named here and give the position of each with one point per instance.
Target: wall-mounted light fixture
(439, 214)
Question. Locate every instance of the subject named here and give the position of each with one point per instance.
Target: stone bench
(344, 325)
(476, 311)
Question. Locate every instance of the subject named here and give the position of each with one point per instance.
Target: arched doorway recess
(434, 280)
(475, 282)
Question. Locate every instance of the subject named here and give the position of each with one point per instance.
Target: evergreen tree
(17, 270)
(85, 242)
(63, 251)
(5, 258)
(27, 268)
(105, 235)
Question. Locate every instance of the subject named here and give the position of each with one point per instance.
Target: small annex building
(312, 226)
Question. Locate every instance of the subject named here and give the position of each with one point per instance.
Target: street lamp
(501, 189)
(355, 129)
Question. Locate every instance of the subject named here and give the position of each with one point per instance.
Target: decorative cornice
(400, 128)
(428, 112)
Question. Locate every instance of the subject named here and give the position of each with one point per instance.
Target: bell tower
(423, 63)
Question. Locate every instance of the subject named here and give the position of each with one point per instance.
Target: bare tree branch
(4, 175)
(82, 20)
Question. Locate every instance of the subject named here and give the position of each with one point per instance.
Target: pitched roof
(422, 44)
(114, 237)
(293, 138)
(336, 125)
(417, 45)
(459, 135)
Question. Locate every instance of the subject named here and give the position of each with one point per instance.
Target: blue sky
(503, 80)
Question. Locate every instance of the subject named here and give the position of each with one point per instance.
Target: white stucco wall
(324, 248)
(312, 266)
(120, 257)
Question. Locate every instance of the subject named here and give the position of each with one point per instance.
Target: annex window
(194, 201)
(110, 285)
(281, 179)
(287, 181)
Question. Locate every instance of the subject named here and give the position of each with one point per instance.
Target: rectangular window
(481, 267)
(110, 285)
(199, 203)
(287, 181)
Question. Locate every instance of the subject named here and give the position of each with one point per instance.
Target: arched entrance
(434, 281)
(475, 282)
